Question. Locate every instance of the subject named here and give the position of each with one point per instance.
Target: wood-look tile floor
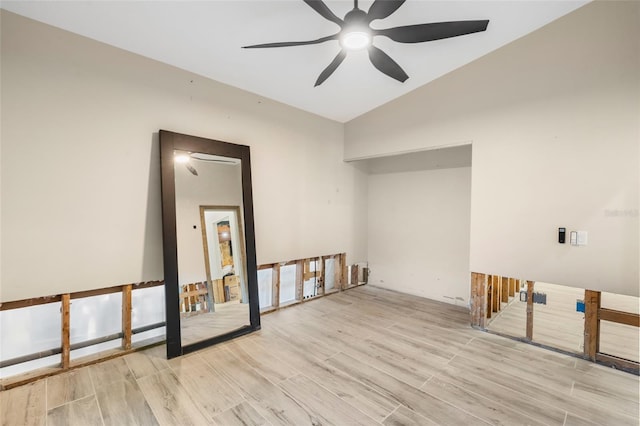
(227, 317)
(366, 356)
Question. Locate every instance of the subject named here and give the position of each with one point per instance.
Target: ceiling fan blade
(386, 65)
(331, 68)
(380, 9)
(435, 31)
(322, 9)
(292, 43)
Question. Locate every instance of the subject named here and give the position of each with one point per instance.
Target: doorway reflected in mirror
(212, 284)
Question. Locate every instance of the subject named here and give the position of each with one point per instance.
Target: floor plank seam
(391, 413)
(95, 395)
(426, 381)
(459, 408)
(334, 394)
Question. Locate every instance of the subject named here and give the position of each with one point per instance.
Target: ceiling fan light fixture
(356, 40)
(356, 34)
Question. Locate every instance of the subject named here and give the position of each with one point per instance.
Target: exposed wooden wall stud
(300, 265)
(126, 317)
(505, 289)
(478, 300)
(337, 273)
(344, 279)
(275, 285)
(354, 274)
(320, 276)
(530, 310)
(66, 327)
(591, 324)
(496, 293)
(489, 295)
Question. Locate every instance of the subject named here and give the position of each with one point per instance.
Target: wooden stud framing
(17, 304)
(619, 317)
(618, 363)
(496, 294)
(340, 275)
(337, 273)
(126, 317)
(300, 265)
(96, 292)
(217, 288)
(478, 300)
(320, 278)
(489, 304)
(505, 289)
(66, 327)
(592, 302)
(530, 310)
(147, 284)
(344, 280)
(354, 274)
(275, 285)
(487, 291)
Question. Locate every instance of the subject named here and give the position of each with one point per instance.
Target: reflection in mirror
(212, 280)
(210, 271)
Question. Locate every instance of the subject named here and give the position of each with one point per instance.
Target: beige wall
(554, 120)
(420, 244)
(80, 164)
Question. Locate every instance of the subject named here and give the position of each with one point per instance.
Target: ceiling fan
(356, 33)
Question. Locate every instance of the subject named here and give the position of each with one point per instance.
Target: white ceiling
(205, 37)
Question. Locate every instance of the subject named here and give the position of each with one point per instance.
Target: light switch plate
(582, 238)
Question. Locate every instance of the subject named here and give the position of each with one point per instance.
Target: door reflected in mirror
(212, 276)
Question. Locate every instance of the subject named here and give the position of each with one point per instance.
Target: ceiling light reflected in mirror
(181, 158)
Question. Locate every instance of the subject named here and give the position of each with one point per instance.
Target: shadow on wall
(152, 268)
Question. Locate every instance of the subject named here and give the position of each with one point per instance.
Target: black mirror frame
(170, 141)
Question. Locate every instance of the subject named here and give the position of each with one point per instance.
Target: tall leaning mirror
(211, 286)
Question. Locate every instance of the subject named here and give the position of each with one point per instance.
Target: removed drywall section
(80, 164)
(419, 233)
(554, 122)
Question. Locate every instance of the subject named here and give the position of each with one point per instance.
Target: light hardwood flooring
(558, 325)
(366, 356)
(227, 317)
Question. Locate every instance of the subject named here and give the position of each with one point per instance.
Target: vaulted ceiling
(205, 37)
